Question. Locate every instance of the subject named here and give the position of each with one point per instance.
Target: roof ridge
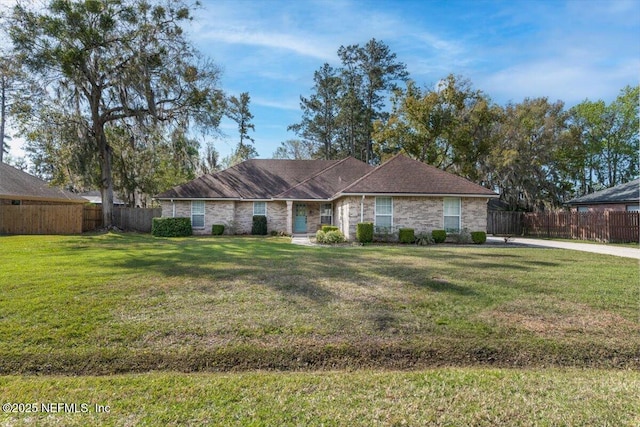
(336, 163)
(376, 168)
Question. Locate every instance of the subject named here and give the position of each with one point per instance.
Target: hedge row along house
(299, 196)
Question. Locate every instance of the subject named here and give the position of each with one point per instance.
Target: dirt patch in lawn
(549, 318)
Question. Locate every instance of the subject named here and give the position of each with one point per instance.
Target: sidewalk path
(620, 251)
(301, 239)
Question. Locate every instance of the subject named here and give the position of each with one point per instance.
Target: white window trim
(204, 209)
(331, 216)
(444, 215)
(254, 208)
(376, 210)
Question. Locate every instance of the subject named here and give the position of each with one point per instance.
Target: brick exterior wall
(423, 214)
(611, 207)
(474, 213)
(229, 213)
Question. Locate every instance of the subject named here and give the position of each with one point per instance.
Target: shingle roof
(251, 179)
(402, 175)
(323, 179)
(329, 181)
(19, 185)
(623, 193)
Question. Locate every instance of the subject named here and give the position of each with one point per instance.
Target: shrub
(327, 228)
(439, 236)
(383, 234)
(406, 235)
(478, 237)
(330, 237)
(463, 236)
(217, 229)
(364, 232)
(259, 226)
(171, 227)
(424, 239)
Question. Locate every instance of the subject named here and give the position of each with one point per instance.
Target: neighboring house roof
(258, 179)
(623, 193)
(95, 197)
(18, 185)
(402, 175)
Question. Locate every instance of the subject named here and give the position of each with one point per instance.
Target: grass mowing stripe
(461, 396)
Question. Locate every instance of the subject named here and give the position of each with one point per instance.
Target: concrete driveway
(621, 251)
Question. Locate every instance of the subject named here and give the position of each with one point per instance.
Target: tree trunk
(106, 176)
(3, 118)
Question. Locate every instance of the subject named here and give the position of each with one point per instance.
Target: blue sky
(564, 50)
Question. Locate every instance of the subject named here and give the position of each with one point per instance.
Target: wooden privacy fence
(91, 217)
(41, 219)
(505, 223)
(609, 227)
(129, 219)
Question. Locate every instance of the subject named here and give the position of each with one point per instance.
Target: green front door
(300, 221)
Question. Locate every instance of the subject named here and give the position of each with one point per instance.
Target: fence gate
(505, 223)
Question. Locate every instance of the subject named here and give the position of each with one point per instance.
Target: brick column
(289, 217)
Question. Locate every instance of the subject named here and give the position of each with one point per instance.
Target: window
(16, 202)
(326, 214)
(452, 214)
(583, 209)
(197, 213)
(384, 212)
(260, 208)
(633, 208)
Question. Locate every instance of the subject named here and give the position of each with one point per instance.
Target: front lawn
(131, 303)
(351, 335)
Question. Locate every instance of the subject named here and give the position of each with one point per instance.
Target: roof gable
(403, 175)
(19, 185)
(329, 181)
(623, 193)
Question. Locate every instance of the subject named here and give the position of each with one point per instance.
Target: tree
(106, 61)
(210, 161)
(450, 126)
(238, 111)
(525, 161)
(339, 115)
(15, 89)
(369, 71)
(320, 112)
(605, 141)
(294, 149)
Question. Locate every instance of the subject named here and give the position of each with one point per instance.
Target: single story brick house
(299, 196)
(621, 198)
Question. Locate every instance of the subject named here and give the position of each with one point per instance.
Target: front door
(300, 221)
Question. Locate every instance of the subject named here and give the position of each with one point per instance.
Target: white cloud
(298, 44)
(567, 81)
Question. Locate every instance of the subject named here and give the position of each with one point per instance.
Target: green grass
(131, 303)
(256, 331)
(446, 397)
